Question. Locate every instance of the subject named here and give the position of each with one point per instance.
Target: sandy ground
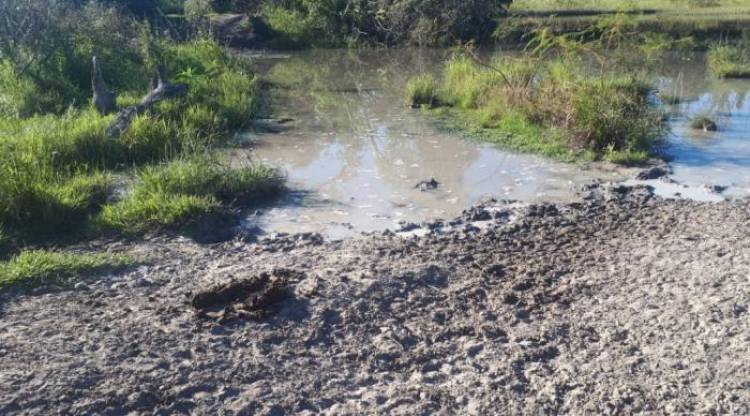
(623, 303)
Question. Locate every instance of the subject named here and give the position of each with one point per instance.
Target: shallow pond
(354, 152)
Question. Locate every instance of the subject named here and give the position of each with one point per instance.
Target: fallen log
(161, 89)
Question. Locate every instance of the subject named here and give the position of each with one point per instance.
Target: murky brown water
(354, 151)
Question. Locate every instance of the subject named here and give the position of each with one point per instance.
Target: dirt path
(622, 304)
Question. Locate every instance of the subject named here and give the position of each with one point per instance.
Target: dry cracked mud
(623, 303)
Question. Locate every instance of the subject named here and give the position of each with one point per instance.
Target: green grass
(677, 6)
(205, 177)
(56, 170)
(701, 20)
(728, 61)
(185, 192)
(39, 267)
(153, 213)
(552, 107)
(422, 90)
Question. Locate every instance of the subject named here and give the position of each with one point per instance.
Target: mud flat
(622, 303)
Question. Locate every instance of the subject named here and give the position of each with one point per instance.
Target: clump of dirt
(251, 298)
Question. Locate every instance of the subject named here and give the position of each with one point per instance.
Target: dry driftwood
(161, 89)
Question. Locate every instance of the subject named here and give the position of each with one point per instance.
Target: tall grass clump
(727, 61)
(185, 192)
(422, 90)
(553, 107)
(38, 267)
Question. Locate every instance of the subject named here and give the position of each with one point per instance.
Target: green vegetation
(424, 22)
(62, 178)
(703, 21)
(728, 61)
(687, 6)
(183, 192)
(551, 107)
(422, 90)
(38, 267)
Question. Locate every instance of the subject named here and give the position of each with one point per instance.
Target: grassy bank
(729, 61)
(59, 168)
(64, 180)
(551, 107)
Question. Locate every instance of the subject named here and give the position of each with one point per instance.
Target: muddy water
(354, 153)
(709, 158)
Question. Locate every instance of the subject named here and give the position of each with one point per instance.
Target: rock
(427, 185)
(715, 189)
(656, 172)
(251, 297)
(81, 286)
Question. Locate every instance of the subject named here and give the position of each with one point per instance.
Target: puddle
(355, 153)
(710, 158)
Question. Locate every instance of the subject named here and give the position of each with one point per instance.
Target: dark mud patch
(252, 298)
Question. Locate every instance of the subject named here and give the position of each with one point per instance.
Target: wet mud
(619, 303)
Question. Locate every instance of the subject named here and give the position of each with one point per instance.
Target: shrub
(46, 205)
(187, 192)
(51, 44)
(38, 267)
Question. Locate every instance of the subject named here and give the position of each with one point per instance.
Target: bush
(52, 44)
(52, 167)
(41, 204)
(33, 268)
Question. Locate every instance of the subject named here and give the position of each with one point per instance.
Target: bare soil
(623, 303)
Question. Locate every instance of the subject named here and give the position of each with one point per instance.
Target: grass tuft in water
(422, 90)
(39, 267)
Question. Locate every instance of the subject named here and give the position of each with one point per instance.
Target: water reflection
(358, 151)
(356, 145)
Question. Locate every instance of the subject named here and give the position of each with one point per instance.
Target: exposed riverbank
(517, 309)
